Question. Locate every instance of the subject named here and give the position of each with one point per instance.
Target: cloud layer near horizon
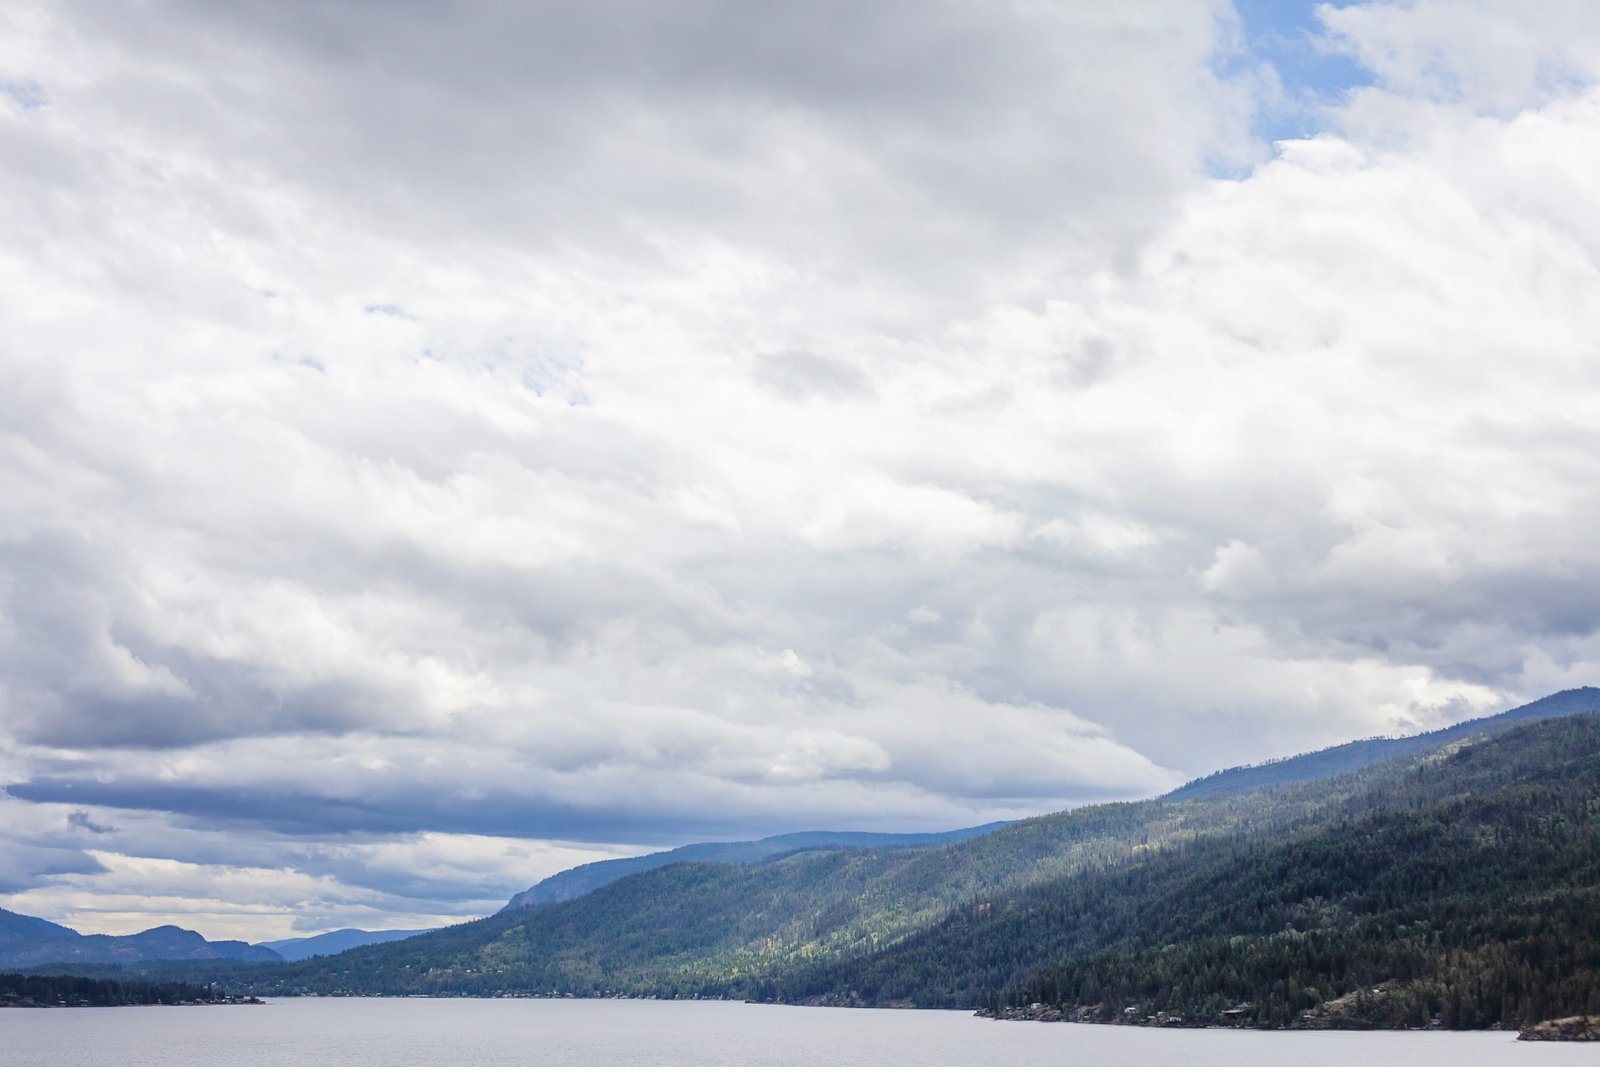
(441, 450)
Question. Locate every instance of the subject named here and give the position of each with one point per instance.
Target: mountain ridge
(1353, 755)
(1464, 885)
(333, 942)
(585, 878)
(28, 941)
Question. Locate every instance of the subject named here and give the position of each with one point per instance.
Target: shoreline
(1554, 1030)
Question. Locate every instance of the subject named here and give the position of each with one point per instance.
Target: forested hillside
(707, 928)
(586, 878)
(1468, 888)
(1353, 755)
(1459, 880)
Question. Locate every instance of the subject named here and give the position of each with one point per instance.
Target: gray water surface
(605, 1033)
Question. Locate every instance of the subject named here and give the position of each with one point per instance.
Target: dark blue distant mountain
(334, 941)
(574, 883)
(1357, 754)
(17, 930)
(26, 941)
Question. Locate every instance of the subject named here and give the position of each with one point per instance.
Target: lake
(608, 1033)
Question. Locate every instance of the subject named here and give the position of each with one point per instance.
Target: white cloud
(903, 439)
(1500, 56)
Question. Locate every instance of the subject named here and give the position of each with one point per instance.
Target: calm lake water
(604, 1033)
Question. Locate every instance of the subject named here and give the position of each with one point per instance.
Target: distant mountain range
(26, 941)
(333, 942)
(574, 883)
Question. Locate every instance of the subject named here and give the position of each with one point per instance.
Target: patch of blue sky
(28, 95)
(1312, 71)
(394, 311)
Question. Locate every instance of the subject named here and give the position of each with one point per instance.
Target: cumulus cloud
(569, 429)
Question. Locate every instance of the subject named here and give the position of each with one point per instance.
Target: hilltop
(574, 883)
(26, 941)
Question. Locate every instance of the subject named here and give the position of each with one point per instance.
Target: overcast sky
(443, 444)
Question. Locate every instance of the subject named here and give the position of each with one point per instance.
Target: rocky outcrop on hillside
(1572, 1028)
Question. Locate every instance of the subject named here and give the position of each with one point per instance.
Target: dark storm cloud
(495, 812)
(26, 865)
